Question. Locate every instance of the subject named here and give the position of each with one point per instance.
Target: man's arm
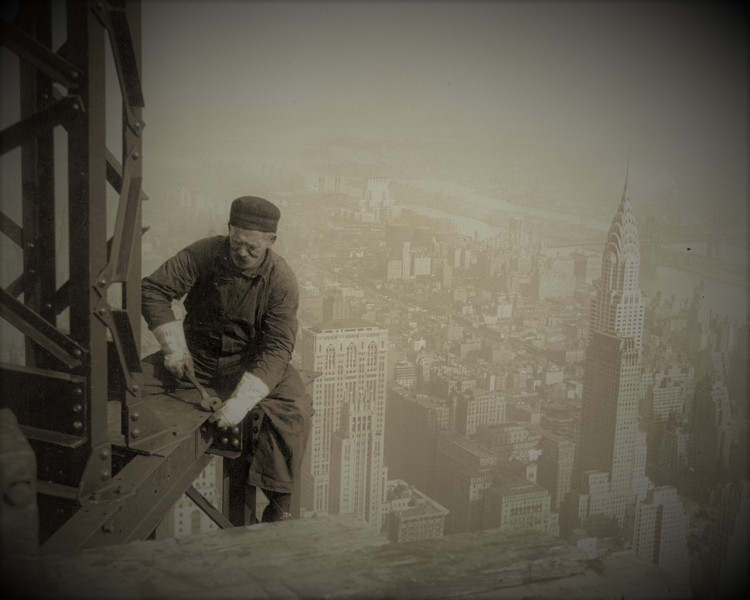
(170, 281)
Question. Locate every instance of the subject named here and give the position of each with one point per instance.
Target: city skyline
(501, 342)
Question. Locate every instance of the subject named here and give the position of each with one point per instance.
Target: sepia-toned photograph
(399, 300)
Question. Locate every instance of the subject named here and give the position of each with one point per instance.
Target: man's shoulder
(278, 266)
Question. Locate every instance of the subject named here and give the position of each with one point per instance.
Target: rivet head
(136, 155)
(104, 454)
(77, 409)
(78, 426)
(47, 305)
(102, 311)
(135, 432)
(105, 475)
(235, 443)
(135, 416)
(102, 282)
(136, 387)
(77, 391)
(224, 441)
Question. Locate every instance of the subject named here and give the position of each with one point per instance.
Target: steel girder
(61, 394)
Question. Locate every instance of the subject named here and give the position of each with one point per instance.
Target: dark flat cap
(252, 212)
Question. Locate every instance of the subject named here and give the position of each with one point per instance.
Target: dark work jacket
(233, 317)
(240, 321)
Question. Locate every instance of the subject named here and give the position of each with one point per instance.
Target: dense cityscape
(520, 237)
(505, 371)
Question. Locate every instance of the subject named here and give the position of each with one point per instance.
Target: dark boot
(279, 507)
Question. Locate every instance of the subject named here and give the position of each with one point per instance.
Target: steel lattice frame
(62, 394)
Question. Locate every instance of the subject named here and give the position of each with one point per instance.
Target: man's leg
(279, 507)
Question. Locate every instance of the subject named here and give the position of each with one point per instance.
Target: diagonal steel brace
(38, 55)
(58, 113)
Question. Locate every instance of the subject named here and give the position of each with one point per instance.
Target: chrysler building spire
(618, 307)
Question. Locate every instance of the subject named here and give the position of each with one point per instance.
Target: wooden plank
(341, 557)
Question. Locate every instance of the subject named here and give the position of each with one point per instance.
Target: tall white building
(609, 440)
(618, 306)
(343, 468)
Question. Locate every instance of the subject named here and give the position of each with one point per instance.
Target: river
(724, 298)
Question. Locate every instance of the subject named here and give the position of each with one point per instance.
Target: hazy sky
(667, 79)
(668, 73)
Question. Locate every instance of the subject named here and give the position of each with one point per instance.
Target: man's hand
(177, 357)
(231, 412)
(248, 393)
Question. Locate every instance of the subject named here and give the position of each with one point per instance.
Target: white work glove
(171, 338)
(250, 390)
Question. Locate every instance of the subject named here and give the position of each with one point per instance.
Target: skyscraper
(659, 531)
(343, 467)
(609, 413)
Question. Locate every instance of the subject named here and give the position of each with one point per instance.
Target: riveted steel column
(85, 47)
(38, 193)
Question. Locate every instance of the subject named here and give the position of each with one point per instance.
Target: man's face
(248, 247)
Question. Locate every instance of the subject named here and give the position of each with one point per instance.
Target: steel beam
(38, 54)
(31, 324)
(62, 112)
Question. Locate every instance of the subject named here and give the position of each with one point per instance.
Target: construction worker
(237, 337)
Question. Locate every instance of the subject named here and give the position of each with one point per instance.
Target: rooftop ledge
(341, 557)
